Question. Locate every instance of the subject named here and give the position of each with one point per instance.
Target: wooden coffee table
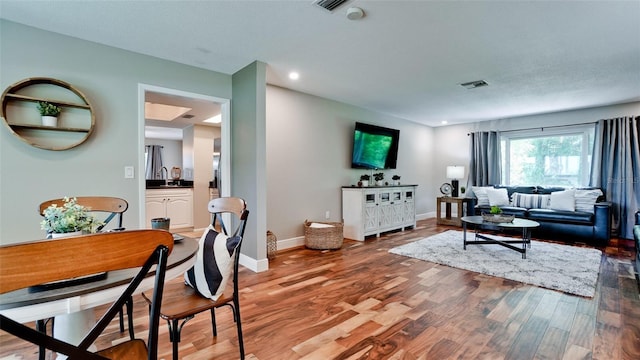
(479, 224)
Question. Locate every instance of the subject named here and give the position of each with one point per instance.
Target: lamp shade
(455, 172)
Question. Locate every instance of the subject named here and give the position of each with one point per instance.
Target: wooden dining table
(73, 303)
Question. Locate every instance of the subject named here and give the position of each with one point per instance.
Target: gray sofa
(588, 221)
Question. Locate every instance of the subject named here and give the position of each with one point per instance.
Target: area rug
(565, 268)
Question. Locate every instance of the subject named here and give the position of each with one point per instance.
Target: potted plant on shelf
(378, 177)
(364, 180)
(49, 113)
(69, 219)
(396, 179)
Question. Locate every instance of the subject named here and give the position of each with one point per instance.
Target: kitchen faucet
(166, 174)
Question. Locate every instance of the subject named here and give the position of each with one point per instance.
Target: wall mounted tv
(374, 147)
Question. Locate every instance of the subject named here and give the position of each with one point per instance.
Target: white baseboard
(253, 264)
(290, 243)
(424, 216)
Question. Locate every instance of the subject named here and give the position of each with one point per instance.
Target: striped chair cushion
(530, 201)
(214, 261)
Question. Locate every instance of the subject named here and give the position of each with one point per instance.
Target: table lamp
(455, 173)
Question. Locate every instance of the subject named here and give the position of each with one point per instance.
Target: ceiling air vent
(330, 4)
(475, 84)
(188, 116)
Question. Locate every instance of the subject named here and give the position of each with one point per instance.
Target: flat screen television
(374, 147)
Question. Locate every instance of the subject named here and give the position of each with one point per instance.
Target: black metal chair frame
(158, 259)
(175, 326)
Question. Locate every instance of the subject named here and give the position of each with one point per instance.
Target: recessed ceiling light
(294, 75)
(444, 122)
(214, 120)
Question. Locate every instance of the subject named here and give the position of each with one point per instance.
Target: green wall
(248, 155)
(109, 78)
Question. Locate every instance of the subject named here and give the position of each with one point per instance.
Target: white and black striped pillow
(214, 261)
(530, 201)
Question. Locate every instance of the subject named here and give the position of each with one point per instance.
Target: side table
(461, 205)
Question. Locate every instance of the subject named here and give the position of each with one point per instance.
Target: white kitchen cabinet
(176, 204)
(373, 210)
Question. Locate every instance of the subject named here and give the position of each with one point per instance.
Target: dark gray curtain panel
(154, 162)
(615, 167)
(484, 167)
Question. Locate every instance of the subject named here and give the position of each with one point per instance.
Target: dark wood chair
(182, 302)
(111, 207)
(82, 256)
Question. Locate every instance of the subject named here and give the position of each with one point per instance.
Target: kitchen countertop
(169, 187)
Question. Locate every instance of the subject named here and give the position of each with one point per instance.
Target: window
(559, 156)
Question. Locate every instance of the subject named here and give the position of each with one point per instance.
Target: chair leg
(41, 325)
(236, 315)
(121, 321)
(213, 322)
(129, 304)
(174, 333)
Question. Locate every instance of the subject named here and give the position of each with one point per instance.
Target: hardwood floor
(361, 302)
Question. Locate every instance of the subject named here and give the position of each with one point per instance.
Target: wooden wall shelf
(25, 120)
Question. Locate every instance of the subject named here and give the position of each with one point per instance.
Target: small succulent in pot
(378, 176)
(495, 210)
(365, 177)
(48, 109)
(395, 177)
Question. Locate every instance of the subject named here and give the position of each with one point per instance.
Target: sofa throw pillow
(586, 198)
(498, 197)
(563, 200)
(530, 201)
(213, 266)
(481, 194)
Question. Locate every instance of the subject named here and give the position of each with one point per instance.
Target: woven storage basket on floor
(323, 238)
(272, 245)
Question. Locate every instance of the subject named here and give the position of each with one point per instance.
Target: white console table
(374, 210)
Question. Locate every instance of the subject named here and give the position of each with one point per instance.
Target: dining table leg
(72, 327)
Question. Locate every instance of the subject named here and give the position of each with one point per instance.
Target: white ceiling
(404, 58)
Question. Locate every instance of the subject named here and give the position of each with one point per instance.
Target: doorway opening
(173, 120)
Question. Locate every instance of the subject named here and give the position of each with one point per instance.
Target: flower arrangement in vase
(71, 217)
(49, 113)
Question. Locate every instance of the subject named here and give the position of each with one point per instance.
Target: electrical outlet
(128, 172)
(327, 215)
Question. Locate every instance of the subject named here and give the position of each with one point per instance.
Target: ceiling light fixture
(294, 75)
(444, 122)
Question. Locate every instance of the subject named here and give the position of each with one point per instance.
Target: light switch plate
(128, 172)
